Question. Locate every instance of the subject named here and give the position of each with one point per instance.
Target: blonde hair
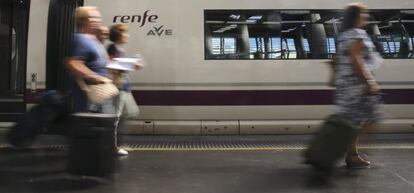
(82, 15)
(358, 4)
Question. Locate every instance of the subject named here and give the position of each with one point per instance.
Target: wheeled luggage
(92, 144)
(331, 143)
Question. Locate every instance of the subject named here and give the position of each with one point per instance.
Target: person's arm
(357, 59)
(139, 66)
(75, 63)
(78, 68)
(112, 52)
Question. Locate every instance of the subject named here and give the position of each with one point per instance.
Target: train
(238, 67)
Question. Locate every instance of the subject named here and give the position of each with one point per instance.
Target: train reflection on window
(223, 46)
(300, 34)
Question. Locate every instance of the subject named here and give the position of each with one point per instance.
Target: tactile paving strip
(227, 143)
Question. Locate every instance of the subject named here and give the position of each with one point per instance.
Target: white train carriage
(238, 67)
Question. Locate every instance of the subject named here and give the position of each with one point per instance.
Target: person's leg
(121, 124)
(354, 146)
(120, 108)
(108, 107)
(353, 159)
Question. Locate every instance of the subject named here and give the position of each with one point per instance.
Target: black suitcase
(331, 143)
(92, 145)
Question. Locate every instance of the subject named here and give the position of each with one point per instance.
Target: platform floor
(222, 170)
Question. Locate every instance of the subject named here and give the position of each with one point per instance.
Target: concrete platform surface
(232, 171)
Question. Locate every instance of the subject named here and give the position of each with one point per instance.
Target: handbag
(99, 93)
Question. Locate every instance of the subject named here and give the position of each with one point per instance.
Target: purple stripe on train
(247, 97)
(256, 97)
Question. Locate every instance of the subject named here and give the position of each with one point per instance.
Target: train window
(386, 32)
(288, 48)
(324, 28)
(300, 34)
(407, 27)
(331, 47)
(411, 48)
(306, 45)
(223, 46)
(276, 48)
(294, 29)
(216, 45)
(265, 48)
(256, 47)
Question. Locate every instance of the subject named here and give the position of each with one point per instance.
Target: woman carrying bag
(126, 106)
(357, 94)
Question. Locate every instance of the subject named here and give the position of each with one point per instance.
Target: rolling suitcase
(92, 145)
(331, 143)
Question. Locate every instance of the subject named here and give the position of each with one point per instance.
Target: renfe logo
(140, 19)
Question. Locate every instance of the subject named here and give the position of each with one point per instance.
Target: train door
(61, 26)
(13, 47)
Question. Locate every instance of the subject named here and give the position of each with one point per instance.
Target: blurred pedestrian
(102, 34)
(87, 61)
(126, 105)
(357, 94)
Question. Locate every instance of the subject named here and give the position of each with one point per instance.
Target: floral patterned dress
(351, 98)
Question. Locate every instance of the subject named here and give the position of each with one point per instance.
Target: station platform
(210, 164)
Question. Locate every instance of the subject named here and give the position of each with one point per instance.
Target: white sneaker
(122, 152)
